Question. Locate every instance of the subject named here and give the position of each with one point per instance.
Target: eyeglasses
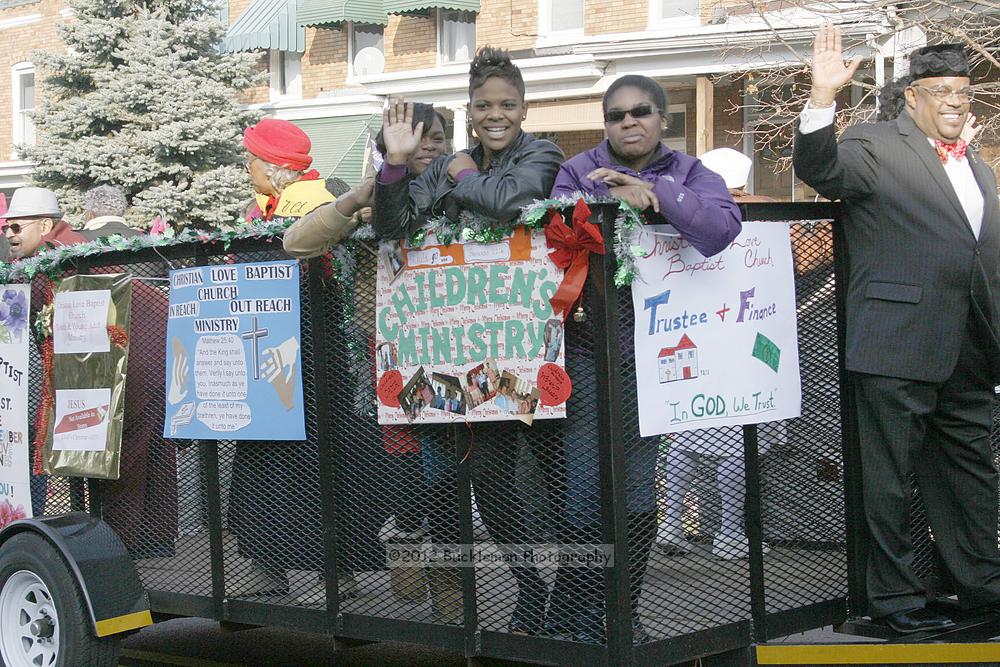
(944, 92)
(246, 163)
(638, 111)
(16, 227)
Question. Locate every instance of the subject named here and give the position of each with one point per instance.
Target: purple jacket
(693, 198)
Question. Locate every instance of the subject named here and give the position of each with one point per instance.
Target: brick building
(332, 63)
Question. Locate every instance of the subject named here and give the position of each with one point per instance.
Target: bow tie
(956, 149)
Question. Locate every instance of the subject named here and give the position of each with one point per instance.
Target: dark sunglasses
(16, 227)
(638, 111)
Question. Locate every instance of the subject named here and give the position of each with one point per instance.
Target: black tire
(77, 646)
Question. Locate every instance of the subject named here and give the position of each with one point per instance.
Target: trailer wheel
(43, 617)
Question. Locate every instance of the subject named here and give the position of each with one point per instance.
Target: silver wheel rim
(29, 626)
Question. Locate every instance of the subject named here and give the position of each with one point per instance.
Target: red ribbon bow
(571, 248)
(957, 149)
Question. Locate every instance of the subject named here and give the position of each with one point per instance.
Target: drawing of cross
(254, 335)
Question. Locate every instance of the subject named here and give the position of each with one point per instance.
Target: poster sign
(234, 369)
(81, 420)
(80, 322)
(465, 332)
(715, 339)
(15, 496)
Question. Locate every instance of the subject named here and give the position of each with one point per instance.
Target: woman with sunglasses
(633, 165)
(506, 171)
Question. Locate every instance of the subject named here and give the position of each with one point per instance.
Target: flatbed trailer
(96, 565)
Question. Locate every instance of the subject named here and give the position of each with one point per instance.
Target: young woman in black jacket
(506, 171)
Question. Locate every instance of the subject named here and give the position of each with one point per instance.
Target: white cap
(33, 202)
(733, 166)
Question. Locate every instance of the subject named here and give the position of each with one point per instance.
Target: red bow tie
(957, 149)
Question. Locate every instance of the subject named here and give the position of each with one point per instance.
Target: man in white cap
(734, 167)
(34, 221)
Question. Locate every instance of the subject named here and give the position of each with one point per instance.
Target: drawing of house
(679, 362)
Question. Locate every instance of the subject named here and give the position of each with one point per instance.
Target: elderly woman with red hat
(278, 162)
(274, 500)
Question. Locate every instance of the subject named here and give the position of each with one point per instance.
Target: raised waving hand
(401, 138)
(829, 71)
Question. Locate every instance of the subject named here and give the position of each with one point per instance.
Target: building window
(366, 49)
(23, 95)
(561, 17)
(675, 136)
(286, 75)
(673, 12)
(456, 36)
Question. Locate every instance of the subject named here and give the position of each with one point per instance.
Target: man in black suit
(922, 226)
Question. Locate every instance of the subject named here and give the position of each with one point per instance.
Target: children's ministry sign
(715, 338)
(465, 331)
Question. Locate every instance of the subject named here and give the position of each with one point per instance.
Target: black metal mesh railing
(270, 514)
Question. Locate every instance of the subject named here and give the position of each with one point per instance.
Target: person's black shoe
(639, 633)
(916, 620)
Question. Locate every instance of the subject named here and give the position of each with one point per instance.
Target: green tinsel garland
(471, 227)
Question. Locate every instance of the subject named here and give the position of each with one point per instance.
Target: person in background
(634, 165)
(922, 229)
(720, 447)
(734, 167)
(35, 221)
(104, 213)
(4, 246)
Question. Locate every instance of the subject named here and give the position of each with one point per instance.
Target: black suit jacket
(917, 271)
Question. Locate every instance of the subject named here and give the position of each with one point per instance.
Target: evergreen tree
(144, 99)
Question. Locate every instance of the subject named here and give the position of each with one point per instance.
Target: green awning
(422, 6)
(332, 12)
(338, 144)
(267, 24)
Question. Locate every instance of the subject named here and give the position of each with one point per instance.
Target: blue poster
(234, 368)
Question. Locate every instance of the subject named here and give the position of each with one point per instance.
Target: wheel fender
(98, 560)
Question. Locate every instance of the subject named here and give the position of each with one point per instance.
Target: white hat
(33, 203)
(733, 166)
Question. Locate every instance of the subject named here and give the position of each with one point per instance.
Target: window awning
(267, 24)
(421, 6)
(332, 12)
(338, 144)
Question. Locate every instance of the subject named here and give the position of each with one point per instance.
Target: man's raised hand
(401, 138)
(829, 71)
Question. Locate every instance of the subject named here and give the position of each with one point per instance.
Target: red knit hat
(279, 142)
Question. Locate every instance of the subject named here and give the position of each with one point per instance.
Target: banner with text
(234, 369)
(465, 332)
(15, 494)
(715, 339)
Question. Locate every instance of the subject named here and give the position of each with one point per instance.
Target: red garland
(118, 336)
(44, 404)
(571, 253)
